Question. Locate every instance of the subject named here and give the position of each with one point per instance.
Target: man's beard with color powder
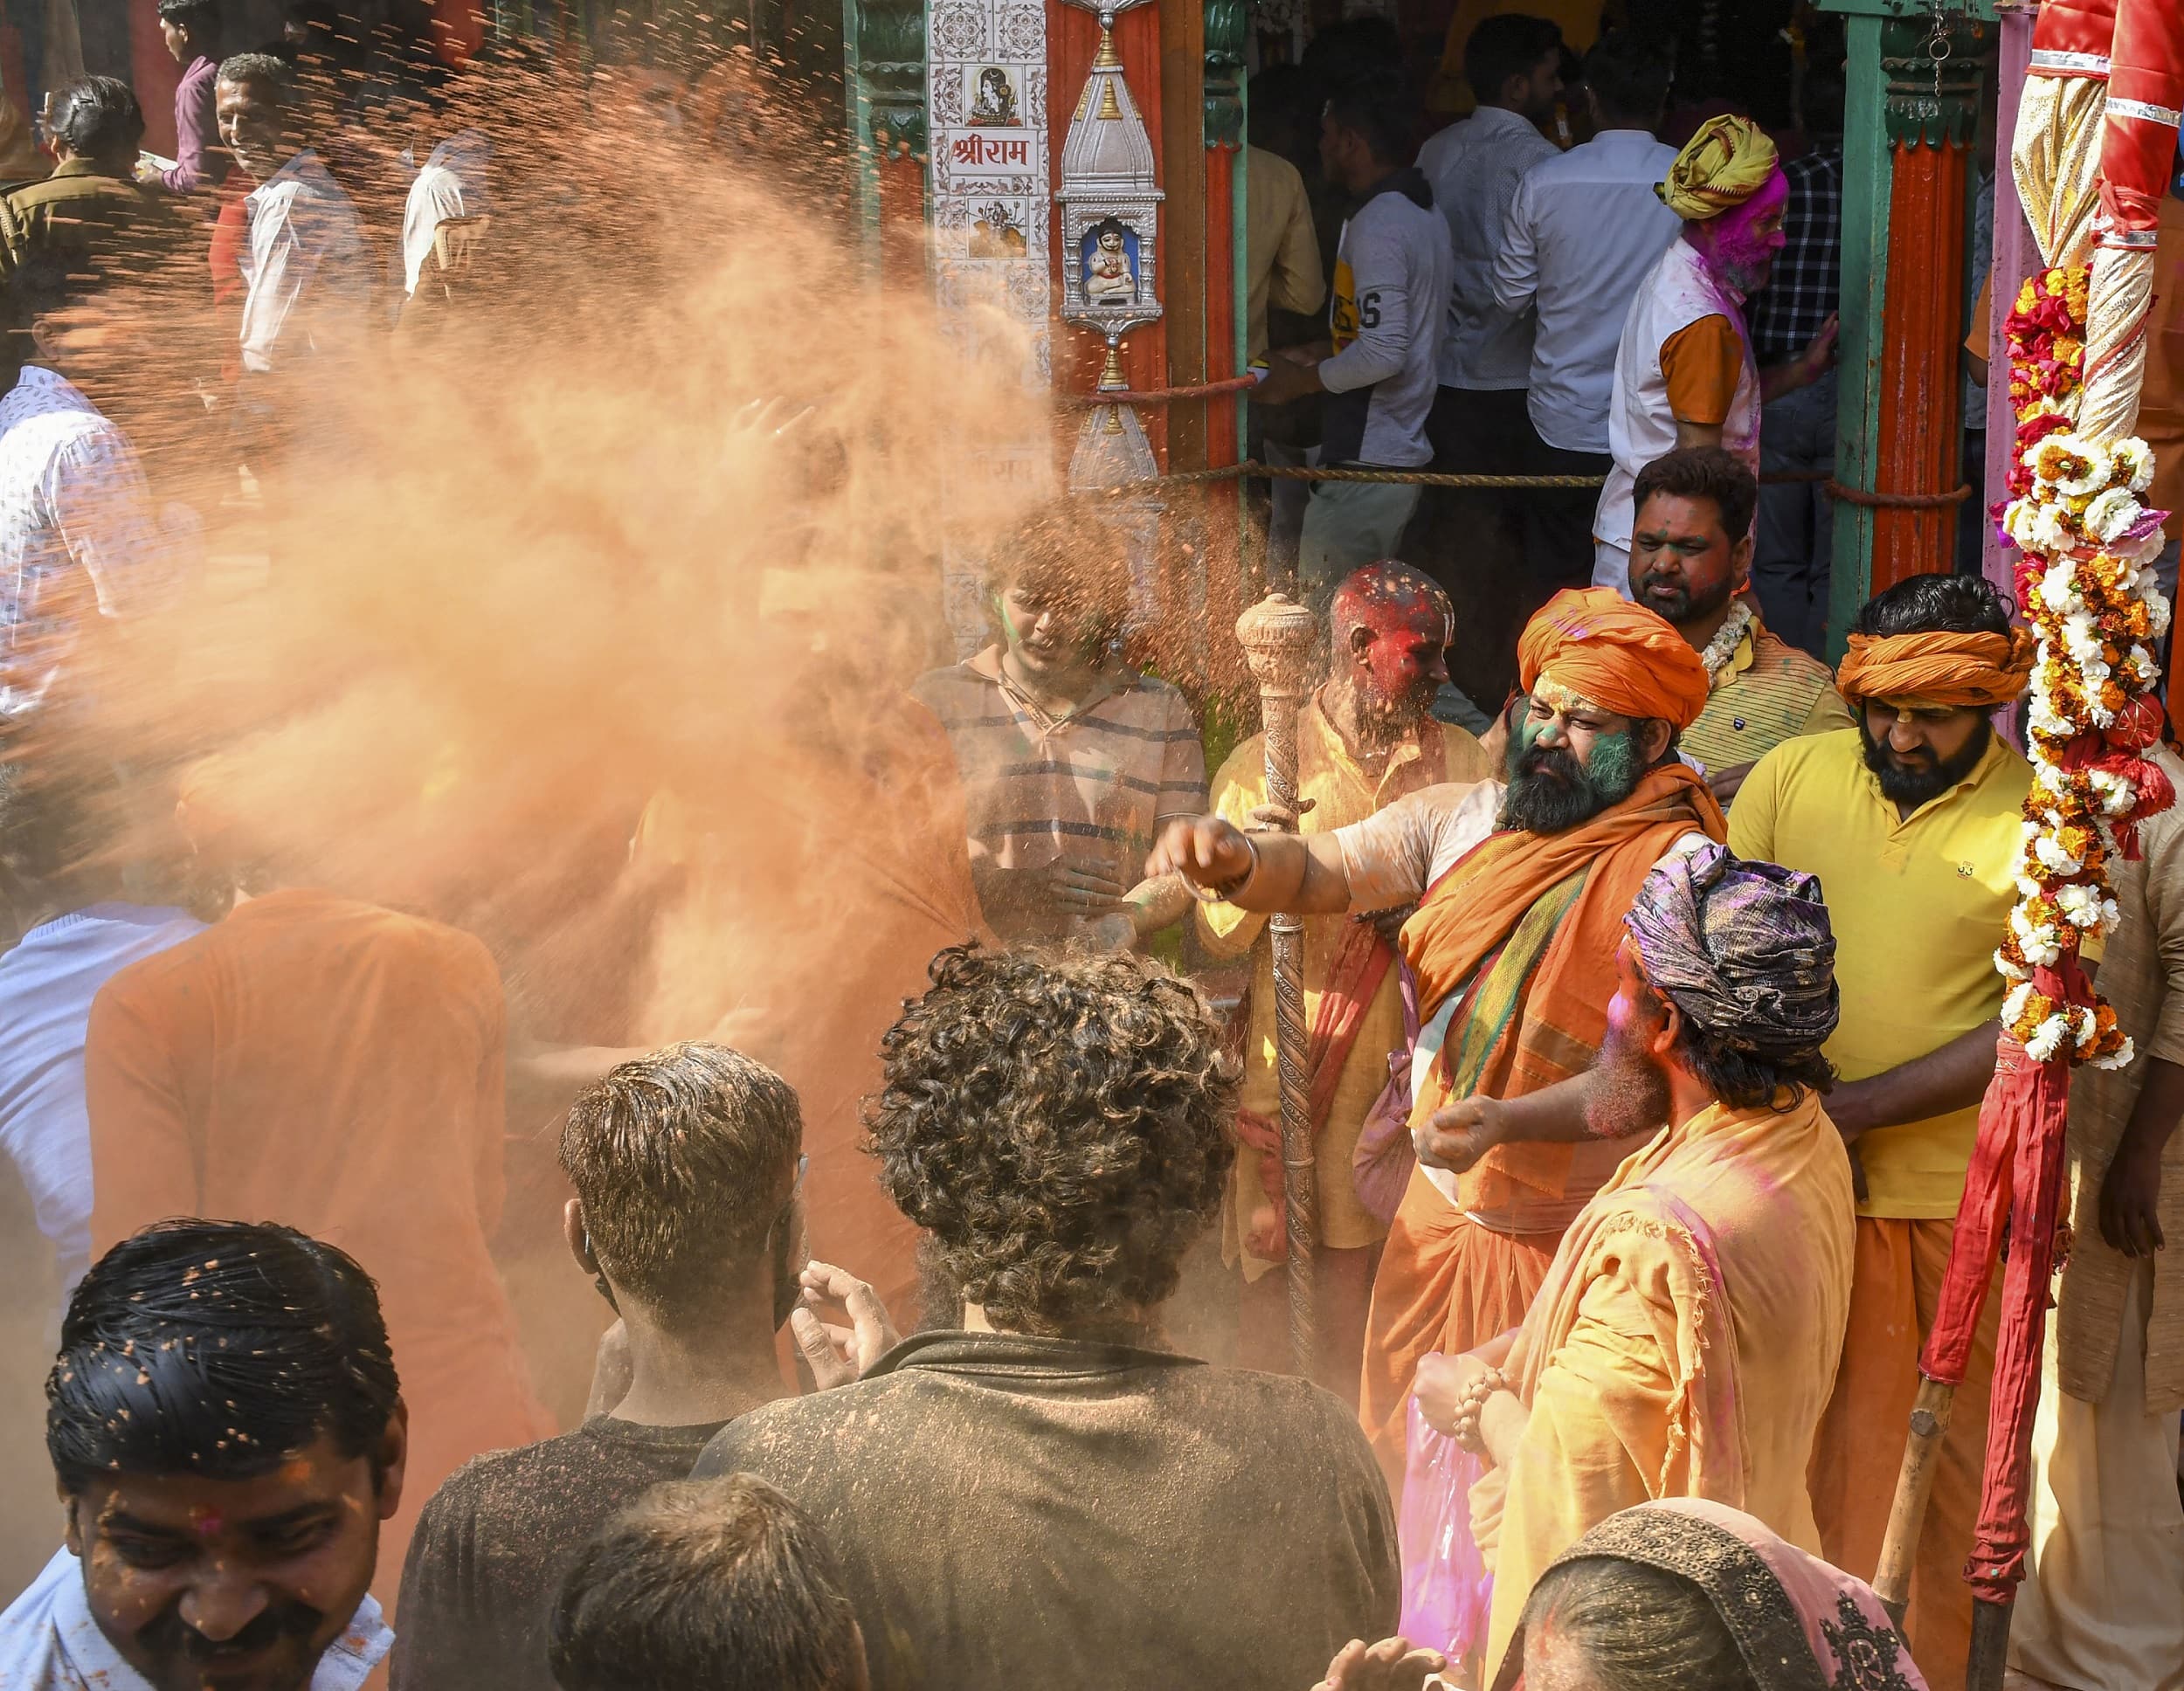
(1549, 790)
(274, 1651)
(1740, 258)
(1928, 777)
(1628, 1094)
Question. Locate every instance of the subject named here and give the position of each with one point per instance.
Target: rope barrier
(1874, 501)
(1159, 395)
(1252, 470)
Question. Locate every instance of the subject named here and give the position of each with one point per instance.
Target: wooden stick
(1899, 1547)
(1277, 635)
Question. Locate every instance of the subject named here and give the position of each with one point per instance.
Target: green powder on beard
(1615, 766)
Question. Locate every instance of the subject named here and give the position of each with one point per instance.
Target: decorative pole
(1277, 635)
(2096, 131)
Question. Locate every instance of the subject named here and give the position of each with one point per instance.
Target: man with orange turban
(1913, 823)
(1521, 887)
(1684, 372)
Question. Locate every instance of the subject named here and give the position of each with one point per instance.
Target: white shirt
(1641, 423)
(307, 265)
(47, 982)
(1585, 229)
(79, 536)
(1475, 167)
(451, 184)
(50, 1642)
(1387, 312)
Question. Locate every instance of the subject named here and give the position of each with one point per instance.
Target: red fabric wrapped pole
(2145, 88)
(2016, 1173)
(2070, 37)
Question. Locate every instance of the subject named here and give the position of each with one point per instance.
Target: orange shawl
(1557, 1026)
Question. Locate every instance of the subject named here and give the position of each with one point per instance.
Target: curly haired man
(1049, 1496)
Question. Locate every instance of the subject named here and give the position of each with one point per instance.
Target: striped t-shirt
(1091, 785)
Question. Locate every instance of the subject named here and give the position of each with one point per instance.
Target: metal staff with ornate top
(1277, 635)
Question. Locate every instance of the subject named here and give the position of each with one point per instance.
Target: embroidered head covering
(1724, 164)
(1741, 948)
(1939, 668)
(1799, 1624)
(1593, 642)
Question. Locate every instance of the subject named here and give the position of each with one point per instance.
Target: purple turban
(1743, 949)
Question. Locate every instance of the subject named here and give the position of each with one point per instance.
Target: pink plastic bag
(1446, 1591)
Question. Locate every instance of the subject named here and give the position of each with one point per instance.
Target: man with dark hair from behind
(685, 1165)
(191, 31)
(1387, 313)
(227, 1434)
(703, 1585)
(1049, 1496)
(727, 1585)
(90, 208)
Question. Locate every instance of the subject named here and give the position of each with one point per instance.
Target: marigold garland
(2075, 513)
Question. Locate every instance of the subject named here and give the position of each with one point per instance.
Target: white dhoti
(2102, 1605)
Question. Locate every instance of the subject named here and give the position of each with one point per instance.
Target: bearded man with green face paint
(1521, 887)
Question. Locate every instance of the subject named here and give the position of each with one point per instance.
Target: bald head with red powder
(1391, 628)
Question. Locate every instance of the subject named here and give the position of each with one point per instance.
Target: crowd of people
(932, 1290)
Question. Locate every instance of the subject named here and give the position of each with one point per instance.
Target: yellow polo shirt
(1918, 906)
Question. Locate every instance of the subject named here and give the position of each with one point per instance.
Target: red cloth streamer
(2015, 1180)
(2073, 26)
(2145, 88)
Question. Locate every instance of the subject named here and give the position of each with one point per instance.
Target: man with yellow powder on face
(1912, 821)
(1523, 887)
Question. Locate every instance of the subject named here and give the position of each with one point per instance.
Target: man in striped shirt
(1070, 759)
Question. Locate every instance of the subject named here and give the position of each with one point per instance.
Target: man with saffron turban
(1524, 886)
(1912, 821)
(1687, 1334)
(1684, 372)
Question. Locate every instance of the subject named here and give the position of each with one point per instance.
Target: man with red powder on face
(1684, 372)
(1366, 738)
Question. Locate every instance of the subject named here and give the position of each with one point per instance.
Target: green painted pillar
(883, 87)
(1898, 98)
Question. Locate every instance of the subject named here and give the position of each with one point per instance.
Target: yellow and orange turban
(1724, 164)
(1620, 656)
(1941, 670)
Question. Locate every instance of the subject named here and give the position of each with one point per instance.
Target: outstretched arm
(1458, 1135)
(1302, 874)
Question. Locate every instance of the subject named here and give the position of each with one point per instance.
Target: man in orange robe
(337, 1066)
(1523, 888)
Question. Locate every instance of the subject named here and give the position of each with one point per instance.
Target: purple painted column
(2016, 257)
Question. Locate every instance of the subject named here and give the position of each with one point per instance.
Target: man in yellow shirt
(1366, 738)
(1690, 560)
(1911, 822)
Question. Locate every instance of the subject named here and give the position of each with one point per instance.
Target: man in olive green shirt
(90, 205)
